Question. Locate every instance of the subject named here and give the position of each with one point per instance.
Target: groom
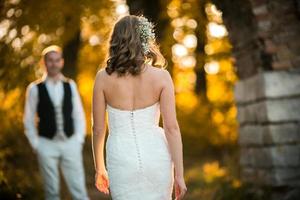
(54, 124)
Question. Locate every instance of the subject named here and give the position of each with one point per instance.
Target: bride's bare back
(134, 92)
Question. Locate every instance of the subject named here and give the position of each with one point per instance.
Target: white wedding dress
(138, 158)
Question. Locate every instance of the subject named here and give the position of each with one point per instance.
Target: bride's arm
(170, 124)
(98, 123)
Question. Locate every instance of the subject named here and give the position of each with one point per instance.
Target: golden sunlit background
(192, 37)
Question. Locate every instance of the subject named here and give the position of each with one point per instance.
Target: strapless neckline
(134, 110)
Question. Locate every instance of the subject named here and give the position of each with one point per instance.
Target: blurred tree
(201, 18)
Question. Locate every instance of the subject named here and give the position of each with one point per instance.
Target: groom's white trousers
(66, 155)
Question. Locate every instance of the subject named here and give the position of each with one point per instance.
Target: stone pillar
(265, 35)
(269, 101)
(269, 116)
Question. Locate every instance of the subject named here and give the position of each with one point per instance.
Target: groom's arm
(30, 115)
(78, 114)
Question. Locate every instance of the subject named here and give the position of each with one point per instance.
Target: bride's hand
(101, 181)
(180, 188)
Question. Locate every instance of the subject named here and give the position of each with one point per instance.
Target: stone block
(270, 111)
(269, 134)
(276, 84)
(280, 156)
(272, 177)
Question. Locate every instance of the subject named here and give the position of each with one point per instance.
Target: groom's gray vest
(47, 123)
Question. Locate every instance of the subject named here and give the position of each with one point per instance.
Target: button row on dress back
(136, 143)
(138, 153)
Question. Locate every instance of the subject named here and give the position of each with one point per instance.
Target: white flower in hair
(146, 30)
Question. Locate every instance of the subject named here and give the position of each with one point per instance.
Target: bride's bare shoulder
(161, 74)
(101, 74)
(101, 77)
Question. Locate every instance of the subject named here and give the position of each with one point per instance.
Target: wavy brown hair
(125, 49)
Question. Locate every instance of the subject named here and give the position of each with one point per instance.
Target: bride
(143, 160)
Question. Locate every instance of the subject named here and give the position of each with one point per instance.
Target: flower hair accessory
(146, 30)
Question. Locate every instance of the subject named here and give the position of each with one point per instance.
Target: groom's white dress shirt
(56, 93)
